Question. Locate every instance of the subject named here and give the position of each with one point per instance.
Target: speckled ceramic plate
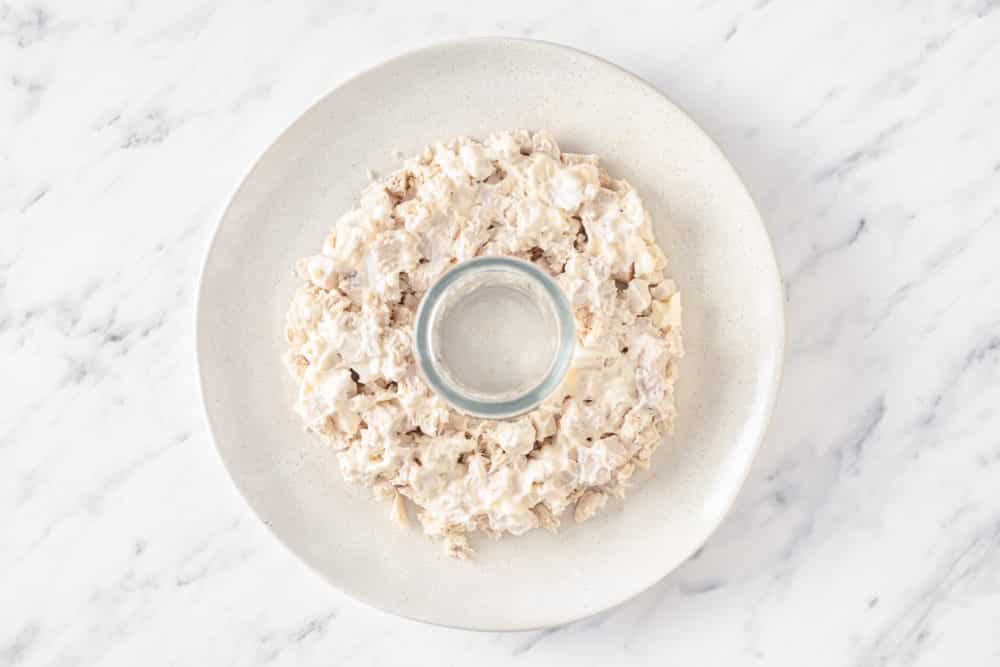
(720, 257)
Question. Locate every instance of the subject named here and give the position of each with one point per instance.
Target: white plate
(720, 257)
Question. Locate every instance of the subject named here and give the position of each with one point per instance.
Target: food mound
(350, 337)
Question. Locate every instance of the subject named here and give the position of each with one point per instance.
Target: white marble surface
(869, 530)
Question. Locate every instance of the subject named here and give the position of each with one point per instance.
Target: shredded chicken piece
(589, 504)
(456, 545)
(398, 512)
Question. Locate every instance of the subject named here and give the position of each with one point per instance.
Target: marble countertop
(868, 532)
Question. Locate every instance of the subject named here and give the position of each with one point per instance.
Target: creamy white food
(350, 329)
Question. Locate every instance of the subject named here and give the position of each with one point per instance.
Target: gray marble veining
(869, 530)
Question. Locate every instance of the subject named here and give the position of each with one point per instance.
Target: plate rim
(770, 263)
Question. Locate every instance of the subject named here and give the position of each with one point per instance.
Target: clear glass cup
(494, 336)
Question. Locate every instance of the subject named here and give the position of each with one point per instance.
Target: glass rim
(531, 398)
